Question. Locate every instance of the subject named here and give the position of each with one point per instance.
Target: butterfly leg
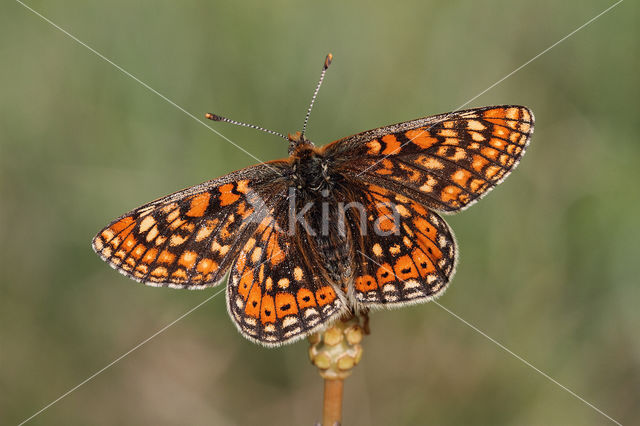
(365, 321)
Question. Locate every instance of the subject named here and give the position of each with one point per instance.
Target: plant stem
(332, 411)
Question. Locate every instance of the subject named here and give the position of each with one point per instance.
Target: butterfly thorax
(310, 171)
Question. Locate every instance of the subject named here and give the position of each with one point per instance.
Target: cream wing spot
(173, 215)
(402, 210)
(289, 320)
(283, 283)
(147, 223)
(257, 253)
(152, 234)
(475, 125)
(450, 133)
(176, 240)
(98, 244)
(107, 234)
(250, 243)
(216, 247)
(409, 284)
(512, 113)
(477, 136)
(429, 184)
(430, 163)
(203, 233)
(459, 155)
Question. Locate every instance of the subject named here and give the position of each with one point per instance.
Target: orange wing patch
(305, 298)
(421, 138)
(392, 145)
(286, 304)
(365, 283)
(199, 204)
(268, 309)
(253, 301)
(325, 295)
(227, 196)
(121, 225)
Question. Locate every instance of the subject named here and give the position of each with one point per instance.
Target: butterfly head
(296, 141)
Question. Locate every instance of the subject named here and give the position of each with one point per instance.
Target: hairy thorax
(311, 172)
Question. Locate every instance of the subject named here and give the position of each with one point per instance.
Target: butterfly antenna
(216, 117)
(327, 62)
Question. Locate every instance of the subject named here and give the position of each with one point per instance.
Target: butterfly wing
(190, 238)
(275, 293)
(446, 161)
(405, 253)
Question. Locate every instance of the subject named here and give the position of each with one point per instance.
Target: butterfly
(328, 231)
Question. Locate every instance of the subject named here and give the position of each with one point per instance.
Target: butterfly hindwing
(275, 294)
(405, 252)
(189, 239)
(446, 161)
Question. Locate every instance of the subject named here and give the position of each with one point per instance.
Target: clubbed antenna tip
(327, 62)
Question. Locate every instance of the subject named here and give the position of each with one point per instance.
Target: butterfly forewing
(446, 161)
(190, 238)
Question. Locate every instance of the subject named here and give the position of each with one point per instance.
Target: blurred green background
(549, 261)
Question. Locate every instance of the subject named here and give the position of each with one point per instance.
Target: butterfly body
(349, 226)
(315, 196)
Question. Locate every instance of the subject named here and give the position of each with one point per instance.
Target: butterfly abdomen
(337, 252)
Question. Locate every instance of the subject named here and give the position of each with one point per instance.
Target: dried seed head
(336, 350)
